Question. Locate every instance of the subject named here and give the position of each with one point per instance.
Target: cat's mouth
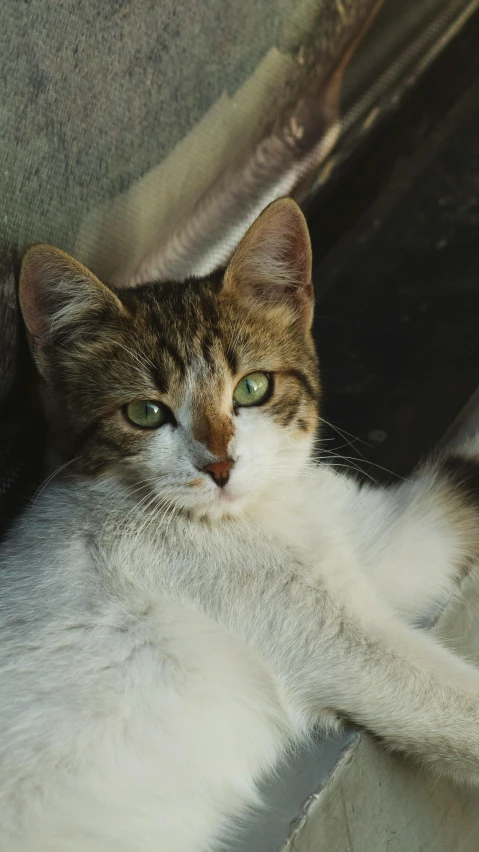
(214, 500)
(226, 495)
(200, 496)
(222, 494)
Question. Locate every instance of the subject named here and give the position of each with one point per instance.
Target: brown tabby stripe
(306, 382)
(285, 410)
(232, 361)
(169, 335)
(178, 359)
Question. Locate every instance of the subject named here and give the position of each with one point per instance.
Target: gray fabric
(117, 119)
(95, 94)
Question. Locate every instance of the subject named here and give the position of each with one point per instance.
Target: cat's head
(204, 392)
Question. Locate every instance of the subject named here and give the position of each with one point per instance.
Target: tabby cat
(191, 592)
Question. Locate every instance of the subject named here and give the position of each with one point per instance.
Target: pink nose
(219, 471)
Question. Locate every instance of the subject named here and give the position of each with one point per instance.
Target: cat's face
(201, 395)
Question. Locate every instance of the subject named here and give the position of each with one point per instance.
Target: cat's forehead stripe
(174, 352)
(187, 345)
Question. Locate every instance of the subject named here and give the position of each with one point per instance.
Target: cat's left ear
(59, 295)
(272, 264)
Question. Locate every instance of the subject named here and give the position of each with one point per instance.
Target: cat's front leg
(422, 537)
(414, 540)
(401, 684)
(334, 644)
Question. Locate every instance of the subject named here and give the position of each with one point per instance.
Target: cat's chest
(188, 691)
(176, 669)
(301, 517)
(135, 718)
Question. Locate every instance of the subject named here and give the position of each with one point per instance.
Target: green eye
(252, 390)
(148, 415)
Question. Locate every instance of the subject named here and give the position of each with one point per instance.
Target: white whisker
(49, 478)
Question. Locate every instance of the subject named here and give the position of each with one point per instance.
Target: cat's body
(155, 657)
(163, 717)
(150, 720)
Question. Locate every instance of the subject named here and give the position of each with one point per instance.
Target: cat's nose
(219, 471)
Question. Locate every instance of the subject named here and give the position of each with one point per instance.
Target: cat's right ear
(271, 268)
(58, 295)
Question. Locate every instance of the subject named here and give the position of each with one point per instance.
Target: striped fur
(186, 344)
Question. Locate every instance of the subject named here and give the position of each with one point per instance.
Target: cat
(191, 592)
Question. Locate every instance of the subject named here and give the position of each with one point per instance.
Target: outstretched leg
(416, 540)
(333, 642)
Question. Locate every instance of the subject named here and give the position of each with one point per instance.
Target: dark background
(396, 271)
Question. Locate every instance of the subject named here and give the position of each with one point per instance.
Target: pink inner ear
(273, 260)
(31, 291)
(56, 289)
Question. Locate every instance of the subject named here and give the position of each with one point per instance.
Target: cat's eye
(148, 415)
(252, 390)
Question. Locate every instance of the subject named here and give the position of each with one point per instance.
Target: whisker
(343, 433)
(373, 464)
(50, 477)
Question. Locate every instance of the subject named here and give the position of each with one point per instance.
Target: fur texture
(163, 639)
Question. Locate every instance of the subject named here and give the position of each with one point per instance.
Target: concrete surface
(375, 801)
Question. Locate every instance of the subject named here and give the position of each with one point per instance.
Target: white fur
(153, 665)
